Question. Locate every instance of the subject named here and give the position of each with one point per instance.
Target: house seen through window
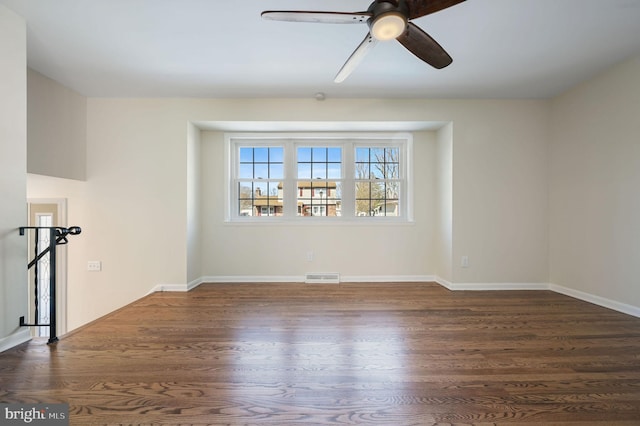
(311, 176)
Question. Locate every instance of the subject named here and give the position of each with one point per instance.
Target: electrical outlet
(464, 262)
(94, 265)
(309, 256)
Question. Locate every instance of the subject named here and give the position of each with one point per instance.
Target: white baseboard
(444, 283)
(301, 278)
(577, 294)
(253, 279)
(15, 339)
(496, 286)
(597, 300)
(387, 278)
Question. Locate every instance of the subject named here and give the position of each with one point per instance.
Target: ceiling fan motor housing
(382, 12)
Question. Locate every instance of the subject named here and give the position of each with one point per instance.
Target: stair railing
(57, 236)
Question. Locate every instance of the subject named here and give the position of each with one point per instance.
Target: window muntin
(350, 177)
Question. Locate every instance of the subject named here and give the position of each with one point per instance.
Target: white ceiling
(220, 49)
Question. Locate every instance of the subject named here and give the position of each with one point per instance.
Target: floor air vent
(323, 277)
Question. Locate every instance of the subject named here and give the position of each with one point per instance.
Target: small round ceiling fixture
(388, 26)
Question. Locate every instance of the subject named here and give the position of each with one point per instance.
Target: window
(378, 183)
(260, 174)
(319, 174)
(341, 177)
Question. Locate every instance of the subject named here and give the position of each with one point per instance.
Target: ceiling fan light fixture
(388, 26)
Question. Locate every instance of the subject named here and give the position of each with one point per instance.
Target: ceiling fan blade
(424, 47)
(356, 57)
(321, 17)
(418, 8)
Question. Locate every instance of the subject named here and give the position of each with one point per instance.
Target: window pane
(362, 171)
(334, 171)
(260, 199)
(319, 171)
(319, 155)
(319, 198)
(392, 155)
(377, 171)
(304, 154)
(334, 155)
(376, 155)
(276, 155)
(377, 198)
(393, 190)
(245, 198)
(260, 155)
(261, 171)
(362, 155)
(246, 171)
(260, 189)
(246, 155)
(304, 171)
(276, 171)
(363, 198)
(392, 171)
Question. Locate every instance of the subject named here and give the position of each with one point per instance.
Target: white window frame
(348, 142)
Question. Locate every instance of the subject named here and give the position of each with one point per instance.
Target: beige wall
(56, 129)
(356, 252)
(13, 166)
(140, 194)
(595, 186)
(500, 185)
(444, 204)
(194, 211)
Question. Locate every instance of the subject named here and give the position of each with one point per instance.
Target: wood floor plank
(366, 353)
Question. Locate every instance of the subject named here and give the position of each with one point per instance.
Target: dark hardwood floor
(384, 354)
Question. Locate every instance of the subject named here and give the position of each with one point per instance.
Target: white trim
(496, 286)
(576, 294)
(597, 300)
(387, 278)
(169, 287)
(219, 279)
(176, 287)
(301, 278)
(444, 283)
(193, 284)
(489, 286)
(15, 339)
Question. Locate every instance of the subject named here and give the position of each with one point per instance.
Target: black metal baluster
(53, 333)
(35, 275)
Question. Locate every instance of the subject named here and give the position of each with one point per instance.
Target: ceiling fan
(387, 19)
